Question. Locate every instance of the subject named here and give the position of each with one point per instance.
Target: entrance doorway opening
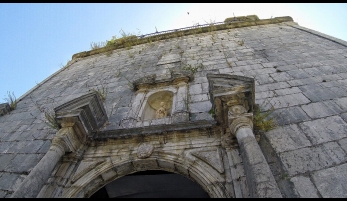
(151, 184)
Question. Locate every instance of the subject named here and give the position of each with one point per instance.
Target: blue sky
(39, 39)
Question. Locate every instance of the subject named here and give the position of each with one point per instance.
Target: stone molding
(150, 81)
(149, 130)
(240, 122)
(84, 167)
(70, 138)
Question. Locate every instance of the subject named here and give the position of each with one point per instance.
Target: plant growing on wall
(94, 45)
(241, 42)
(226, 59)
(12, 100)
(102, 91)
(50, 119)
(262, 121)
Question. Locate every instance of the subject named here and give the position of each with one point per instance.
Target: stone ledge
(156, 129)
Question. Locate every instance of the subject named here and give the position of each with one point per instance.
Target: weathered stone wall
(302, 74)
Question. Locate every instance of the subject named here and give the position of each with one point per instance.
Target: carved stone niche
(228, 94)
(87, 110)
(160, 101)
(158, 105)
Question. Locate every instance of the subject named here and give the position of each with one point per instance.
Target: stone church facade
(176, 114)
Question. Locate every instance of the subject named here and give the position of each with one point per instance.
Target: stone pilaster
(233, 100)
(261, 182)
(66, 140)
(181, 113)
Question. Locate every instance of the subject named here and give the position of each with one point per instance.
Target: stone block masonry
(298, 73)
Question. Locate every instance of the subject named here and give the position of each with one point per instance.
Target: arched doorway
(151, 184)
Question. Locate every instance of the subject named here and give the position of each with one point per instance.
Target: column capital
(69, 138)
(240, 122)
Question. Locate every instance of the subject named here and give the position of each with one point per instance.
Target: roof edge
(229, 23)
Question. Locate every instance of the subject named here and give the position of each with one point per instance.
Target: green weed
(262, 121)
(12, 100)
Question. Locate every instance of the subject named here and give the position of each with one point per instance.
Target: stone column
(261, 182)
(64, 141)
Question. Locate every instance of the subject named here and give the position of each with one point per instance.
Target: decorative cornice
(149, 81)
(152, 130)
(87, 110)
(230, 93)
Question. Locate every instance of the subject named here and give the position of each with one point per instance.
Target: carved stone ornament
(145, 150)
(161, 112)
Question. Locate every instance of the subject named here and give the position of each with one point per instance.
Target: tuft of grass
(12, 100)
(193, 69)
(262, 121)
(241, 42)
(127, 40)
(226, 59)
(211, 112)
(94, 45)
(101, 92)
(51, 121)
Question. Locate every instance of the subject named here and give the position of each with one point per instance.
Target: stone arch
(92, 181)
